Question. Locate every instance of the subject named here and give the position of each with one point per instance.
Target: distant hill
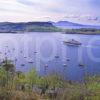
(71, 25)
(66, 23)
(7, 27)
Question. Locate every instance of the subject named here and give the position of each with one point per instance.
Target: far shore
(50, 32)
(83, 33)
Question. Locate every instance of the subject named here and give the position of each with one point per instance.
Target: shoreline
(83, 33)
(50, 32)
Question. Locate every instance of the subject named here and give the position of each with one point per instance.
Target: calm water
(48, 54)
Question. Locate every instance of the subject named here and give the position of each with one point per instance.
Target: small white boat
(35, 52)
(81, 65)
(56, 56)
(22, 64)
(30, 62)
(65, 65)
(46, 66)
(73, 42)
(25, 57)
(68, 59)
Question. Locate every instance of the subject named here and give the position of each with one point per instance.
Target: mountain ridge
(7, 27)
(68, 24)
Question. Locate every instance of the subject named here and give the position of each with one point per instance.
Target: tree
(8, 66)
(9, 70)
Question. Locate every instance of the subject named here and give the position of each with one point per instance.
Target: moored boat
(73, 42)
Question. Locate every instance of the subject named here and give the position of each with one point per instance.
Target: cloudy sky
(81, 11)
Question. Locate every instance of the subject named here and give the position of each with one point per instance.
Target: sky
(80, 11)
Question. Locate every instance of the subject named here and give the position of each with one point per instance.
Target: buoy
(5, 53)
(15, 59)
(9, 51)
(6, 46)
(21, 51)
(31, 62)
(68, 59)
(13, 49)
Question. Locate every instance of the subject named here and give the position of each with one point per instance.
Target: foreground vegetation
(15, 85)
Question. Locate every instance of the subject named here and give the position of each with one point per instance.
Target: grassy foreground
(15, 85)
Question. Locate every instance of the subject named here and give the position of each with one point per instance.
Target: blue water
(38, 50)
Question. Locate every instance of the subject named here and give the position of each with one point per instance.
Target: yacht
(73, 42)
